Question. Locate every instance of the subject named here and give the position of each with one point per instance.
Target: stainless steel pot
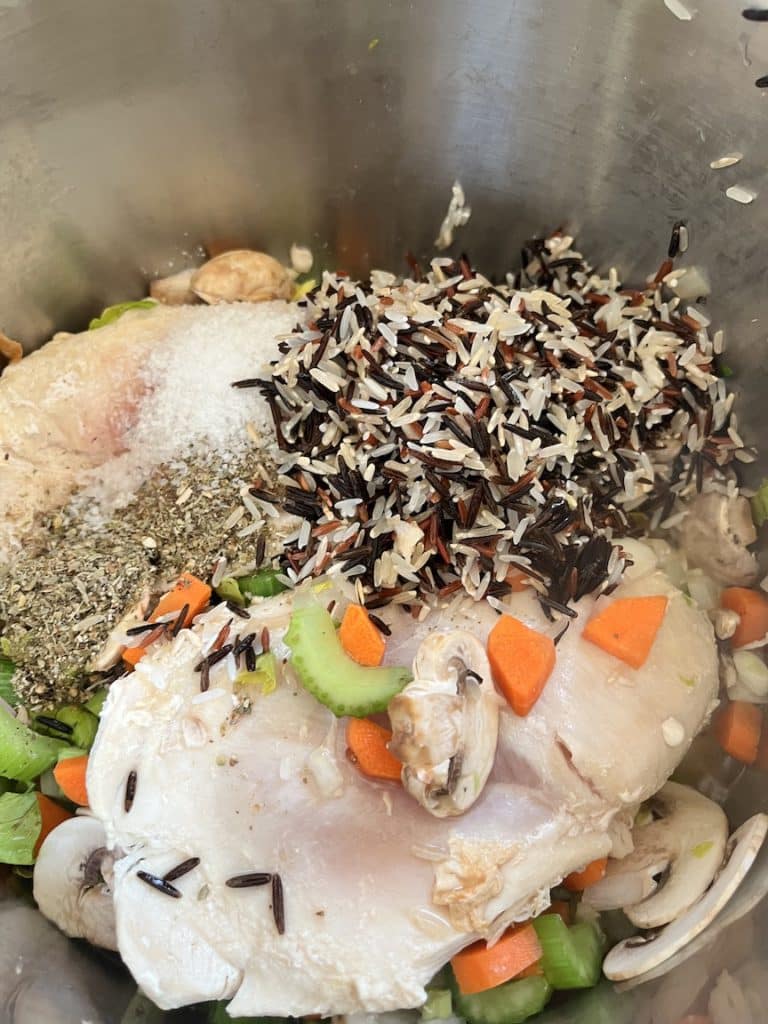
(132, 133)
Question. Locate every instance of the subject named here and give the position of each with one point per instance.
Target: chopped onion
(752, 676)
(703, 589)
(644, 559)
(322, 766)
(620, 889)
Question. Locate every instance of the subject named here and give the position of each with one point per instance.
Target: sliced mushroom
(72, 881)
(445, 723)
(638, 955)
(716, 535)
(676, 855)
(175, 290)
(241, 276)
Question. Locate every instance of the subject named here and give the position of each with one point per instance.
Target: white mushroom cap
(72, 881)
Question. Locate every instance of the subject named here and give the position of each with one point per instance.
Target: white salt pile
(191, 408)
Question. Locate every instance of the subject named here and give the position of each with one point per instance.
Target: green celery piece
(84, 725)
(113, 313)
(7, 691)
(228, 590)
(439, 1004)
(264, 675)
(262, 584)
(759, 504)
(511, 1003)
(20, 824)
(572, 956)
(95, 702)
(24, 754)
(330, 675)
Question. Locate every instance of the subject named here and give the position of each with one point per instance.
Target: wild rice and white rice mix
(445, 433)
(370, 620)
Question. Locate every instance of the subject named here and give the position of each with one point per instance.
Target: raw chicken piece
(131, 395)
(65, 409)
(378, 893)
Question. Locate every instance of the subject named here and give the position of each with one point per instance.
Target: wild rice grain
(181, 869)
(54, 725)
(160, 884)
(278, 904)
(249, 881)
(130, 791)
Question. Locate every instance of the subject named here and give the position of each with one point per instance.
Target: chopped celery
(264, 583)
(572, 956)
(112, 313)
(303, 288)
(24, 754)
(84, 725)
(7, 691)
(511, 1003)
(439, 1004)
(20, 824)
(760, 504)
(264, 675)
(228, 590)
(95, 702)
(330, 674)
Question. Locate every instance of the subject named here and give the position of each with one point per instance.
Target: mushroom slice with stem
(241, 275)
(638, 955)
(445, 723)
(683, 843)
(72, 881)
(716, 535)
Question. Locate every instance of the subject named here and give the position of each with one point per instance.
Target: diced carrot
(627, 627)
(517, 580)
(521, 661)
(51, 815)
(360, 638)
(70, 775)
(561, 907)
(578, 881)
(133, 655)
(738, 727)
(752, 608)
(480, 967)
(189, 590)
(367, 743)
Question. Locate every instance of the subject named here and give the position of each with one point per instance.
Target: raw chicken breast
(378, 893)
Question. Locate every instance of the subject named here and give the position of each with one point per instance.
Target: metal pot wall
(130, 134)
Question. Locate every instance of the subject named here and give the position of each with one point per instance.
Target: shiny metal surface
(131, 133)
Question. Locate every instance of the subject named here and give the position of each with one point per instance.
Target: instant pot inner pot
(132, 134)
